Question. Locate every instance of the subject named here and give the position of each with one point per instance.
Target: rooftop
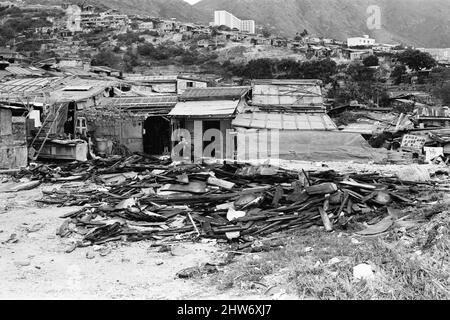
(312, 82)
(140, 78)
(284, 121)
(205, 109)
(151, 105)
(215, 93)
(27, 85)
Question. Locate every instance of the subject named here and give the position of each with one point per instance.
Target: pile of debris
(141, 198)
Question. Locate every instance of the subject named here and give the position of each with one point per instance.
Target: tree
(318, 69)
(106, 58)
(146, 49)
(304, 33)
(130, 60)
(360, 73)
(398, 73)
(224, 28)
(371, 61)
(443, 93)
(266, 33)
(258, 69)
(416, 59)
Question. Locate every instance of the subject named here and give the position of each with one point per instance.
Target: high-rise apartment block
(222, 17)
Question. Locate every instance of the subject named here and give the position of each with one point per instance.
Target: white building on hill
(222, 17)
(360, 41)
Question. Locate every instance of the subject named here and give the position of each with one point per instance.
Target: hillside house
(364, 41)
(149, 25)
(185, 82)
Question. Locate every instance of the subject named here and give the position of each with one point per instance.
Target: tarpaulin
(306, 145)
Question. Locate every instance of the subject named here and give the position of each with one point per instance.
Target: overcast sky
(192, 1)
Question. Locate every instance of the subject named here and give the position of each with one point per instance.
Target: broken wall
(128, 131)
(13, 141)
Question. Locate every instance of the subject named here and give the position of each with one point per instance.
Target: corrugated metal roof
(12, 107)
(214, 92)
(284, 121)
(21, 71)
(152, 78)
(288, 81)
(145, 106)
(77, 88)
(405, 101)
(217, 108)
(26, 85)
(141, 102)
(78, 72)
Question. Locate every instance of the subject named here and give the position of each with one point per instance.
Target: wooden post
(323, 214)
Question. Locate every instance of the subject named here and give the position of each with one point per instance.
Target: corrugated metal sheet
(287, 92)
(77, 88)
(216, 108)
(96, 87)
(26, 85)
(21, 71)
(152, 78)
(312, 82)
(215, 92)
(284, 121)
(142, 101)
(78, 72)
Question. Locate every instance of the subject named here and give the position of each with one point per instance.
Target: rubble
(238, 203)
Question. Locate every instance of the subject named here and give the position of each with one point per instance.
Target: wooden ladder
(46, 127)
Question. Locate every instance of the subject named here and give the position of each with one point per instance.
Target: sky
(192, 1)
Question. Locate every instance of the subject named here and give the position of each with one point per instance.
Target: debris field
(147, 198)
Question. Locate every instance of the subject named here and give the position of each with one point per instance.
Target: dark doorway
(69, 125)
(210, 124)
(156, 136)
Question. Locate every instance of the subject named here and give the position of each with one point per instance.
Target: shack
(200, 111)
(138, 123)
(286, 119)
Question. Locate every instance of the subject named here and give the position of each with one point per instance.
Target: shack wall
(128, 132)
(269, 94)
(13, 142)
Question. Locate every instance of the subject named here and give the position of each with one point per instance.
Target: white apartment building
(248, 26)
(222, 17)
(360, 41)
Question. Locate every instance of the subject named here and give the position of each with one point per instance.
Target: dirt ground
(34, 264)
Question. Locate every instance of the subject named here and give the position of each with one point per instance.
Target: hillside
(423, 23)
(417, 22)
(177, 9)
